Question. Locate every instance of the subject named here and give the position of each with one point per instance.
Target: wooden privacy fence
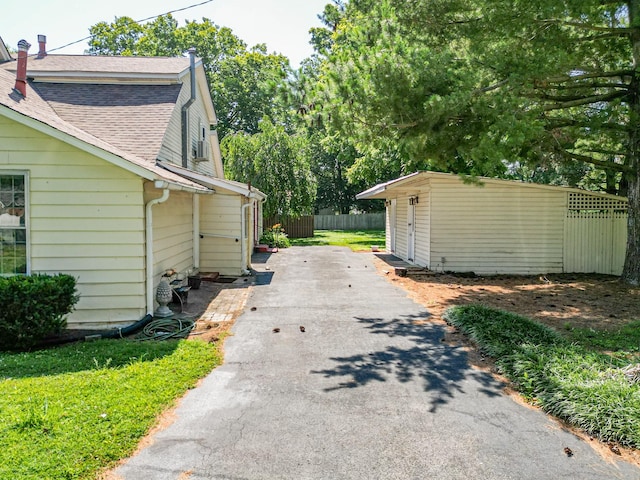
(301, 227)
(363, 221)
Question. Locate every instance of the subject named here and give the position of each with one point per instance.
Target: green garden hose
(167, 328)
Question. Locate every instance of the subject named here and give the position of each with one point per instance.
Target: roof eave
(378, 191)
(383, 190)
(213, 182)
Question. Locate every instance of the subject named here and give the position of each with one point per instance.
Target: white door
(411, 231)
(392, 225)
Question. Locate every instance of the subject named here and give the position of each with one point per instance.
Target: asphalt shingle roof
(37, 108)
(100, 64)
(133, 118)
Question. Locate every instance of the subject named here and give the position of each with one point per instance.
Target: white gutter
(245, 260)
(149, 240)
(196, 231)
(186, 143)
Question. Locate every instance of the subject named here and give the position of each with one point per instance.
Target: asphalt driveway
(367, 391)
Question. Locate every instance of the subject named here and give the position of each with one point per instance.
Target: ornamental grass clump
(588, 389)
(34, 307)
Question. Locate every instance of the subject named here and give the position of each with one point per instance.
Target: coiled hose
(166, 328)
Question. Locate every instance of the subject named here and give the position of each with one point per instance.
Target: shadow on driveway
(420, 355)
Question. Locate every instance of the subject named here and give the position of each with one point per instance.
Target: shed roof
(382, 190)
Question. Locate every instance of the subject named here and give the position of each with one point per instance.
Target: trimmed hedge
(34, 307)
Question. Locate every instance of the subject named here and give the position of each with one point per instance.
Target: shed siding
(422, 240)
(390, 226)
(86, 219)
(171, 149)
(220, 225)
(496, 228)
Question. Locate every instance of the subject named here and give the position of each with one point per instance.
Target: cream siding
(220, 227)
(172, 233)
(506, 227)
(422, 235)
(86, 218)
(171, 149)
(496, 228)
(390, 227)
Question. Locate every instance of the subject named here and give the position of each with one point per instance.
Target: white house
(114, 172)
(439, 221)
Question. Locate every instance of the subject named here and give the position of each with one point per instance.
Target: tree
(276, 162)
(488, 87)
(247, 88)
(244, 83)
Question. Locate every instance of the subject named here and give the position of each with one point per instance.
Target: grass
(625, 339)
(72, 411)
(359, 240)
(585, 387)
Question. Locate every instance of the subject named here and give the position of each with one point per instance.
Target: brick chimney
(42, 43)
(21, 74)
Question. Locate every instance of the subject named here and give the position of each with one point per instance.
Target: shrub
(275, 237)
(34, 307)
(588, 389)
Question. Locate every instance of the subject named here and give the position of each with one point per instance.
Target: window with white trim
(13, 223)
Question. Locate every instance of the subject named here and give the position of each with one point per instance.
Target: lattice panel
(595, 203)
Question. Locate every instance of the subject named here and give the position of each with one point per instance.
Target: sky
(282, 24)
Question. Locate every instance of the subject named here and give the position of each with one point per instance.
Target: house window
(13, 228)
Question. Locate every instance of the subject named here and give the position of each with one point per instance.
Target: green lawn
(356, 240)
(72, 411)
(586, 380)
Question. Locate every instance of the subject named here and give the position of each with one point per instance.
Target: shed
(490, 226)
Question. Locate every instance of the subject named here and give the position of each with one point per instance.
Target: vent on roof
(202, 151)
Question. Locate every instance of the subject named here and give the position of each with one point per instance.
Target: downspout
(196, 231)
(245, 261)
(185, 109)
(149, 240)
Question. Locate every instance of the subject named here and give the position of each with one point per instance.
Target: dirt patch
(576, 300)
(211, 331)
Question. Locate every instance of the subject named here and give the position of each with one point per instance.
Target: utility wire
(137, 21)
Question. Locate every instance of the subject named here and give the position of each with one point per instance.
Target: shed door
(411, 231)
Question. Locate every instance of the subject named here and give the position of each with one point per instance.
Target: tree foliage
(493, 87)
(244, 82)
(276, 162)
